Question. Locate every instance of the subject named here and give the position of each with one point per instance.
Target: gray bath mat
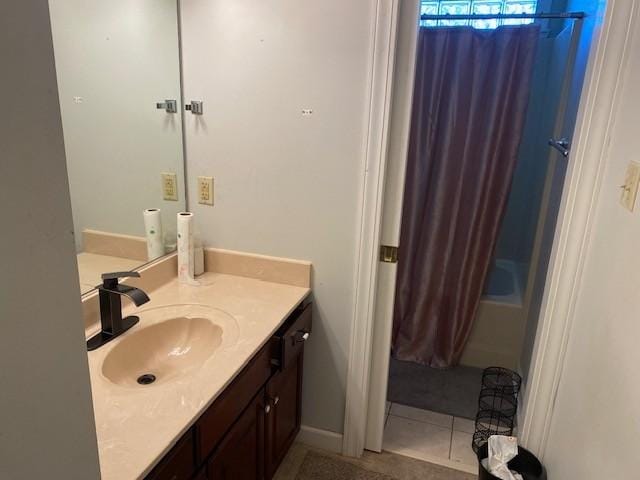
(321, 467)
(453, 391)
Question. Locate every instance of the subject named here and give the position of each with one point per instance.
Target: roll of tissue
(185, 247)
(153, 233)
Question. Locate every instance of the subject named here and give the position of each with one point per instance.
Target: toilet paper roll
(185, 247)
(153, 233)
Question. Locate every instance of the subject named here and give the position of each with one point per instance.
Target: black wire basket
(501, 380)
(491, 422)
(496, 400)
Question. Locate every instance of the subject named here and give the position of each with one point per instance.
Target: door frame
(598, 102)
(587, 160)
(380, 87)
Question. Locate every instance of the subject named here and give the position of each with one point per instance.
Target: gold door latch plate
(388, 254)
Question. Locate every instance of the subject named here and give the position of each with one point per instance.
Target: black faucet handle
(110, 280)
(117, 275)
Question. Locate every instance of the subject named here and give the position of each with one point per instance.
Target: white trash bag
(501, 450)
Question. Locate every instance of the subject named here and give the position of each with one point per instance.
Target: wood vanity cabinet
(284, 397)
(240, 455)
(202, 474)
(247, 431)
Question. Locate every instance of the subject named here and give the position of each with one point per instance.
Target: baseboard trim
(318, 438)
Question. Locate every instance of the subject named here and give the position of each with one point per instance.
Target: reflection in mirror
(118, 72)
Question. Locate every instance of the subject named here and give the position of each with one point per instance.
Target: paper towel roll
(198, 255)
(185, 247)
(153, 232)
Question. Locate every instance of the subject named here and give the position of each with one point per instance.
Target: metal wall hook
(194, 107)
(169, 106)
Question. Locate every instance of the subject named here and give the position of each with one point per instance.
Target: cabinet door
(284, 396)
(240, 456)
(179, 463)
(202, 475)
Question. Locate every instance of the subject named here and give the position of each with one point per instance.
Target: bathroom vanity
(207, 384)
(247, 431)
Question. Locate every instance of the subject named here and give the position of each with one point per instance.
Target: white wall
(517, 235)
(121, 57)
(595, 430)
(46, 417)
(285, 184)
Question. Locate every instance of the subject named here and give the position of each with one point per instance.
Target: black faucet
(110, 293)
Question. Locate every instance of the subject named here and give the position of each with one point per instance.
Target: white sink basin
(169, 343)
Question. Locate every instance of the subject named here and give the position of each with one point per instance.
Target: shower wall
(517, 235)
(499, 328)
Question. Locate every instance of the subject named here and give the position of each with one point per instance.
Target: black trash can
(525, 463)
(490, 422)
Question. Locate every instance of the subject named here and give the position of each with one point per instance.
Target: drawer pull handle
(267, 409)
(301, 336)
(276, 400)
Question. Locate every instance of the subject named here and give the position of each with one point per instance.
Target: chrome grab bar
(562, 145)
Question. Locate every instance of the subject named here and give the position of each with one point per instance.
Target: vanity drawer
(216, 421)
(179, 463)
(289, 340)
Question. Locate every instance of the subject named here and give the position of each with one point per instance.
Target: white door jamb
(570, 248)
(380, 88)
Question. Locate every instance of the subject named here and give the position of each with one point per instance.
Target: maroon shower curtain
(469, 106)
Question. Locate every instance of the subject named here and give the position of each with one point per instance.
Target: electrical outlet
(205, 190)
(629, 190)
(169, 186)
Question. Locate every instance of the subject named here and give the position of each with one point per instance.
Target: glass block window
(477, 7)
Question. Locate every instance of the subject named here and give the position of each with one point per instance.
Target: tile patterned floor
(430, 436)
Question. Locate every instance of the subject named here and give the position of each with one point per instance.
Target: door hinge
(388, 254)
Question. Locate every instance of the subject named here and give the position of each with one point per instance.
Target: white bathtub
(496, 337)
(503, 283)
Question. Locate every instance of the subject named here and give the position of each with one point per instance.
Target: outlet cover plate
(169, 186)
(205, 190)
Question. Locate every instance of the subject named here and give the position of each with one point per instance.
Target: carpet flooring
(453, 391)
(321, 467)
(307, 463)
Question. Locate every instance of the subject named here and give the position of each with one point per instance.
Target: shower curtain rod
(562, 15)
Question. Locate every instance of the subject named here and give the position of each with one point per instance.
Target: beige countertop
(137, 426)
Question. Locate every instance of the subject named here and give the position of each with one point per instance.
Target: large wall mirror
(118, 70)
